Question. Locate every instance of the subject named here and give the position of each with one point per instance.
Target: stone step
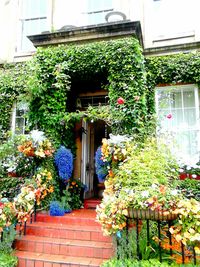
(67, 247)
(34, 259)
(77, 217)
(82, 232)
(91, 203)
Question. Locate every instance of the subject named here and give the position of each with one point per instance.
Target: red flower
(120, 101)
(169, 116)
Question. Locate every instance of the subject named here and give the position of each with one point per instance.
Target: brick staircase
(73, 240)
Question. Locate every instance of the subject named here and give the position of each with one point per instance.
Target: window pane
(176, 99)
(178, 116)
(190, 117)
(188, 98)
(20, 124)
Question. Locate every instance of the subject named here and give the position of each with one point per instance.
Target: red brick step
(74, 240)
(33, 259)
(60, 246)
(82, 232)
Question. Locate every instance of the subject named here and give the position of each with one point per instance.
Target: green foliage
(54, 69)
(143, 263)
(13, 82)
(9, 234)
(190, 188)
(126, 247)
(8, 260)
(10, 186)
(147, 164)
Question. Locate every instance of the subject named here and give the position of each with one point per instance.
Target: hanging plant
(101, 166)
(64, 163)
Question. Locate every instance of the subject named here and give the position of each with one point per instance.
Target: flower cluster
(34, 146)
(190, 168)
(64, 163)
(187, 229)
(44, 185)
(7, 215)
(157, 197)
(111, 214)
(115, 149)
(24, 203)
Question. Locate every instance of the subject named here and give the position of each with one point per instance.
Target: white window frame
(196, 127)
(90, 13)
(14, 117)
(24, 18)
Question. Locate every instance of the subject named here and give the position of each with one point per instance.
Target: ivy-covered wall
(47, 80)
(13, 82)
(54, 69)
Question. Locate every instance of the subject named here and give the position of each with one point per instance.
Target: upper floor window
(33, 20)
(173, 19)
(97, 10)
(19, 119)
(178, 115)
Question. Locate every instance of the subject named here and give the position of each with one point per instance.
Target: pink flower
(120, 101)
(169, 116)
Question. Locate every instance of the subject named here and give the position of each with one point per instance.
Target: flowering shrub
(44, 185)
(191, 168)
(157, 197)
(24, 203)
(7, 215)
(76, 188)
(187, 229)
(64, 163)
(141, 177)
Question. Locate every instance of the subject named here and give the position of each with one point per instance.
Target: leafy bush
(143, 263)
(8, 260)
(10, 186)
(8, 238)
(190, 188)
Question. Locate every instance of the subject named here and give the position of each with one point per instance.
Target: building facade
(163, 27)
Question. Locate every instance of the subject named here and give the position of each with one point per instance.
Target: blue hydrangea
(56, 209)
(64, 163)
(101, 166)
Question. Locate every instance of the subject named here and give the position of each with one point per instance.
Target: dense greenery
(55, 70)
(12, 85)
(50, 83)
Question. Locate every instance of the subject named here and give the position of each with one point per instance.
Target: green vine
(48, 82)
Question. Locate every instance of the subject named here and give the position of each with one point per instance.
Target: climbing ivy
(12, 85)
(55, 68)
(47, 82)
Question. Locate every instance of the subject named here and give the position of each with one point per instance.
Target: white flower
(145, 194)
(37, 136)
(174, 192)
(181, 170)
(117, 139)
(154, 186)
(194, 176)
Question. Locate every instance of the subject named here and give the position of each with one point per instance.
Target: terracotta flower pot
(153, 215)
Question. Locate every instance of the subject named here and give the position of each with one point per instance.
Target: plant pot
(149, 214)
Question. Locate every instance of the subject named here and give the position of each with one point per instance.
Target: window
(172, 19)
(33, 21)
(97, 10)
(19, 120)
(178, 115)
